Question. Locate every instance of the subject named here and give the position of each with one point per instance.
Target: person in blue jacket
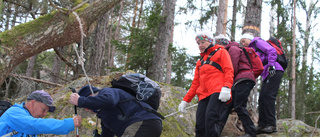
(26, 119)
(271, 75)
(118, 116)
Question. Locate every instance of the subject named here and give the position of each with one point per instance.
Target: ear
(32, 102)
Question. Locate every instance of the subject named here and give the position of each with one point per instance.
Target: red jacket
(208, 79)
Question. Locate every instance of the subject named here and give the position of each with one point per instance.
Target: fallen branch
(37, 80)
(315, 126)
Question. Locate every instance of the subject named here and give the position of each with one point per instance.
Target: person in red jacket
(244, 81)
(212, 81)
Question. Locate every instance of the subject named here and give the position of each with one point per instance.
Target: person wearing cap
(271, 76)
(26, 119)
(243, 83)
(211, 85)
(119, 113)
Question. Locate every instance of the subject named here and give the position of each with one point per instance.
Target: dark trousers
(150, 128)
(208, 116)
(240, 94)
(267, 99)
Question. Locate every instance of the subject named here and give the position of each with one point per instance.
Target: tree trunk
(234, 20)
(221, 20)
(169, 60)
(140, 12)
(252, 21)
(133, 26)
(57, 64)
(98, 50)
(31, 63)
(116, 35)
(53, 30)
(161, 51)
(110, 47)
(293, 58)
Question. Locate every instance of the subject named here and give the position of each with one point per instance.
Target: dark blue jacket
(116, 115)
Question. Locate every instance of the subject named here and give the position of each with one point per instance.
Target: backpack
(143, 88)
(4, 105)
(281, 57)
(254, 60)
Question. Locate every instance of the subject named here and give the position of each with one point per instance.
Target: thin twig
(59, 9)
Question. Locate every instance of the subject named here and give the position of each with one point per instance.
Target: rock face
(176, 125)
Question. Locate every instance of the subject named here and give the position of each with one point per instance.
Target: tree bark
(252, 21)
(98, 50)
(57, 64)
(221, 20)
(161, 51)
(169, 60)
(293, 58)
(55, 29)
(234, 20)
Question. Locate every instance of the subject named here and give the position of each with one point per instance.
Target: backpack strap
(211, 62)
(247, 55)
(256, 48)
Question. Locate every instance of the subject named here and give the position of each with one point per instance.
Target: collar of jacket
(210, 49)
(232, 44)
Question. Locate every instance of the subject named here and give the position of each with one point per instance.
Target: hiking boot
(266, 130)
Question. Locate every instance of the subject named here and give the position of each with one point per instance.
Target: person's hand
(77, 121)
(272, 71)
(74, 99)
(225, 94)
(182, 106)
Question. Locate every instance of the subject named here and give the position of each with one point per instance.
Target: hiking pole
(75, 109)
(179, 111)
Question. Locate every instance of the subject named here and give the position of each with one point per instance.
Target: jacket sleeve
(23, 122)
(194, 85)
(268, 50)
(227, 68)
(105, 99)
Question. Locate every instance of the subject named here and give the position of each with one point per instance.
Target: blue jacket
(19, 119)
(268, 54)
(115, 115)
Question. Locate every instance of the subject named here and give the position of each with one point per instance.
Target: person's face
(203, 44)
(38, 109)
(245, 42)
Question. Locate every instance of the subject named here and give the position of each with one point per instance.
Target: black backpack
(281, 57)
(4, 105)
(143, 88)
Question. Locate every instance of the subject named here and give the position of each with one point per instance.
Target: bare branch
(37, 80)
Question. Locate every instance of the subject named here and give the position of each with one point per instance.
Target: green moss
(8, 37)
(171, 128)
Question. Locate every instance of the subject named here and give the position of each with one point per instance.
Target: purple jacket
(241, 66)
(268, 54)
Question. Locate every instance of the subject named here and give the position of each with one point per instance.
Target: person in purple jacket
(271, 75)
(244, 81)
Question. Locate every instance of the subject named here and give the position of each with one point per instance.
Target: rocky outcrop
(174, 125)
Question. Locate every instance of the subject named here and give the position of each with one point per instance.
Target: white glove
(182, 106)
(225, 94)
